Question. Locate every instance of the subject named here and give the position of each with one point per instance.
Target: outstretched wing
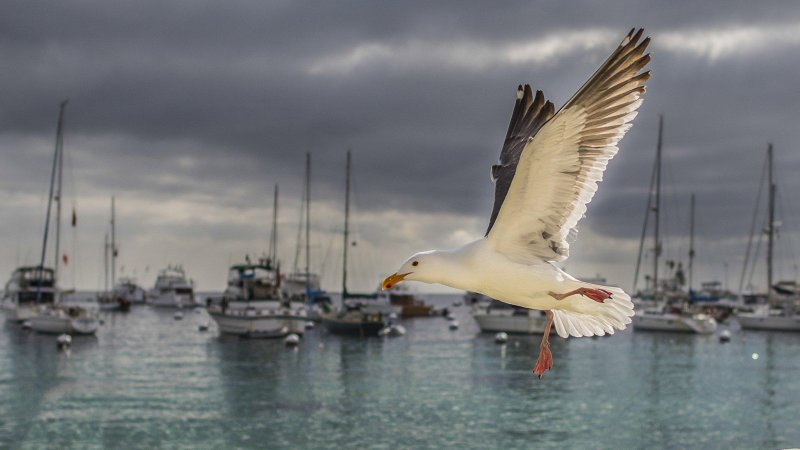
(530, 113)
(560, 166)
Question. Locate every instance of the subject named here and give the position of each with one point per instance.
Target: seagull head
(422, 266)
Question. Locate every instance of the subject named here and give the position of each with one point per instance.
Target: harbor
(150, 379)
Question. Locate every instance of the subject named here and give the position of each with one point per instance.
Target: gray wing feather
(530, 113)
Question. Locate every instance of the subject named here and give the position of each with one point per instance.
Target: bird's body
(549, 168)
(479, 267)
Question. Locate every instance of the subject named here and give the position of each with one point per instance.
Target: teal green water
(148, 381)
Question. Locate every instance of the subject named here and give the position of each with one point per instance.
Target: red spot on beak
(388, 285)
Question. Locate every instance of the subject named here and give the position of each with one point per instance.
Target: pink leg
(545, 360)
(598, 295)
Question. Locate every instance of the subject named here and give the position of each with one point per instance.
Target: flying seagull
(548, 172)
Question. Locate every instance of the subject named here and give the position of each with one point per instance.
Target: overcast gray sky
(190, 111)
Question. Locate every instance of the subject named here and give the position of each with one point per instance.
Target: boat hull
(59, 325)
(171, 300)
(769, 323)
(673, 323)
(253, 324)
(417, 311)
(346, 326)
(510, 323)
(14, 313)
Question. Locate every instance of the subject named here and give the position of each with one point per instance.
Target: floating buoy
(450, 317)
(292, 340)
(453, 324)
(309, 325)
(63, 341)
(393, 316)
(203, 326)
(501, 337)
(26, 325)
(178, 315)
(725, 336)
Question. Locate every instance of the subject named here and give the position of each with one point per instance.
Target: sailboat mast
(57, 197)
(113, 244)
(346, 226)
(308, 219)
(273, 243)
(59, 130)
(691, 243)
(657, 206)
(105, 263)
(771, 222)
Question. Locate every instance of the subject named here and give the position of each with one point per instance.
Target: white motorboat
(172, 289)
(252, 304)
(69, 319)
(494, 316)
(126, 288)
(27, 290)
(667, 318)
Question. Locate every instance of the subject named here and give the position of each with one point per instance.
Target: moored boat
(410, 305)
(671, 318)
(358, 314)
(495, 316)
(28, 289)
(127, 289)
(172, 289)
(69, 319)
(781, 311)
(352, 319)
(252, 304)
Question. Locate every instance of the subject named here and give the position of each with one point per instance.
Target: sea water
(149, 381)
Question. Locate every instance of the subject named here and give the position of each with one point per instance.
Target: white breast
(517, 284)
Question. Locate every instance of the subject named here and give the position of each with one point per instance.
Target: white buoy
(178, 315)
(26, 325)
(451, 317)
(309, 325)
(501, 337)
(203, 326)
(63, 341)
(292, 340)
(725, 336)
(453, 324)
(393, 316)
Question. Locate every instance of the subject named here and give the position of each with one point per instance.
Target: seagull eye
(415, 263)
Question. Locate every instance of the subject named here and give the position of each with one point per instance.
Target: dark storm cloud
(221, 100)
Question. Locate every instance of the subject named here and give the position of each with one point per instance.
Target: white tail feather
(604, 318)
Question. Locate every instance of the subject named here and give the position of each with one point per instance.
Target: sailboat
(108, 300)
(304, 286)
(780, 312)
(34, 287)
(252, 304)
(358, 313)
(663, 306)
(125, 291)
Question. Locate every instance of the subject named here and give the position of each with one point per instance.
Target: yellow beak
(393, 279)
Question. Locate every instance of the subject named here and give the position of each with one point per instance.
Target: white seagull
(548, 172)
